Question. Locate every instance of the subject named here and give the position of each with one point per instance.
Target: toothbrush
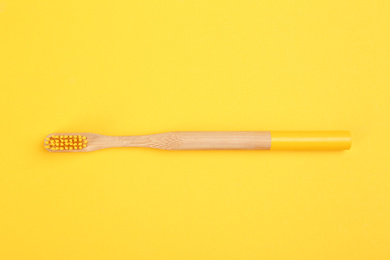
(255, 140)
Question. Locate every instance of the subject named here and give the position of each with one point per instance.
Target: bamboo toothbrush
(259, 140)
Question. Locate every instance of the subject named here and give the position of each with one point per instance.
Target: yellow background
(142, 67)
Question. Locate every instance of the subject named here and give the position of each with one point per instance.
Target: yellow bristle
(66, 142)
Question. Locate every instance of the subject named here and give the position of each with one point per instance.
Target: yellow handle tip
(311, 140)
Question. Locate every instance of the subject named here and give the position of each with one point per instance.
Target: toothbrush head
(66, 142)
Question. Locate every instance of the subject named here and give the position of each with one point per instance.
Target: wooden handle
(203, 141)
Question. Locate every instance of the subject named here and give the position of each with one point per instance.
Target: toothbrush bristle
(66, 142)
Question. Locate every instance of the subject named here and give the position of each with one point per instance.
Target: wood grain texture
(260, 140)
(221, 141)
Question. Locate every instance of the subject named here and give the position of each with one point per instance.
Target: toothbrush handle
(255, 140)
